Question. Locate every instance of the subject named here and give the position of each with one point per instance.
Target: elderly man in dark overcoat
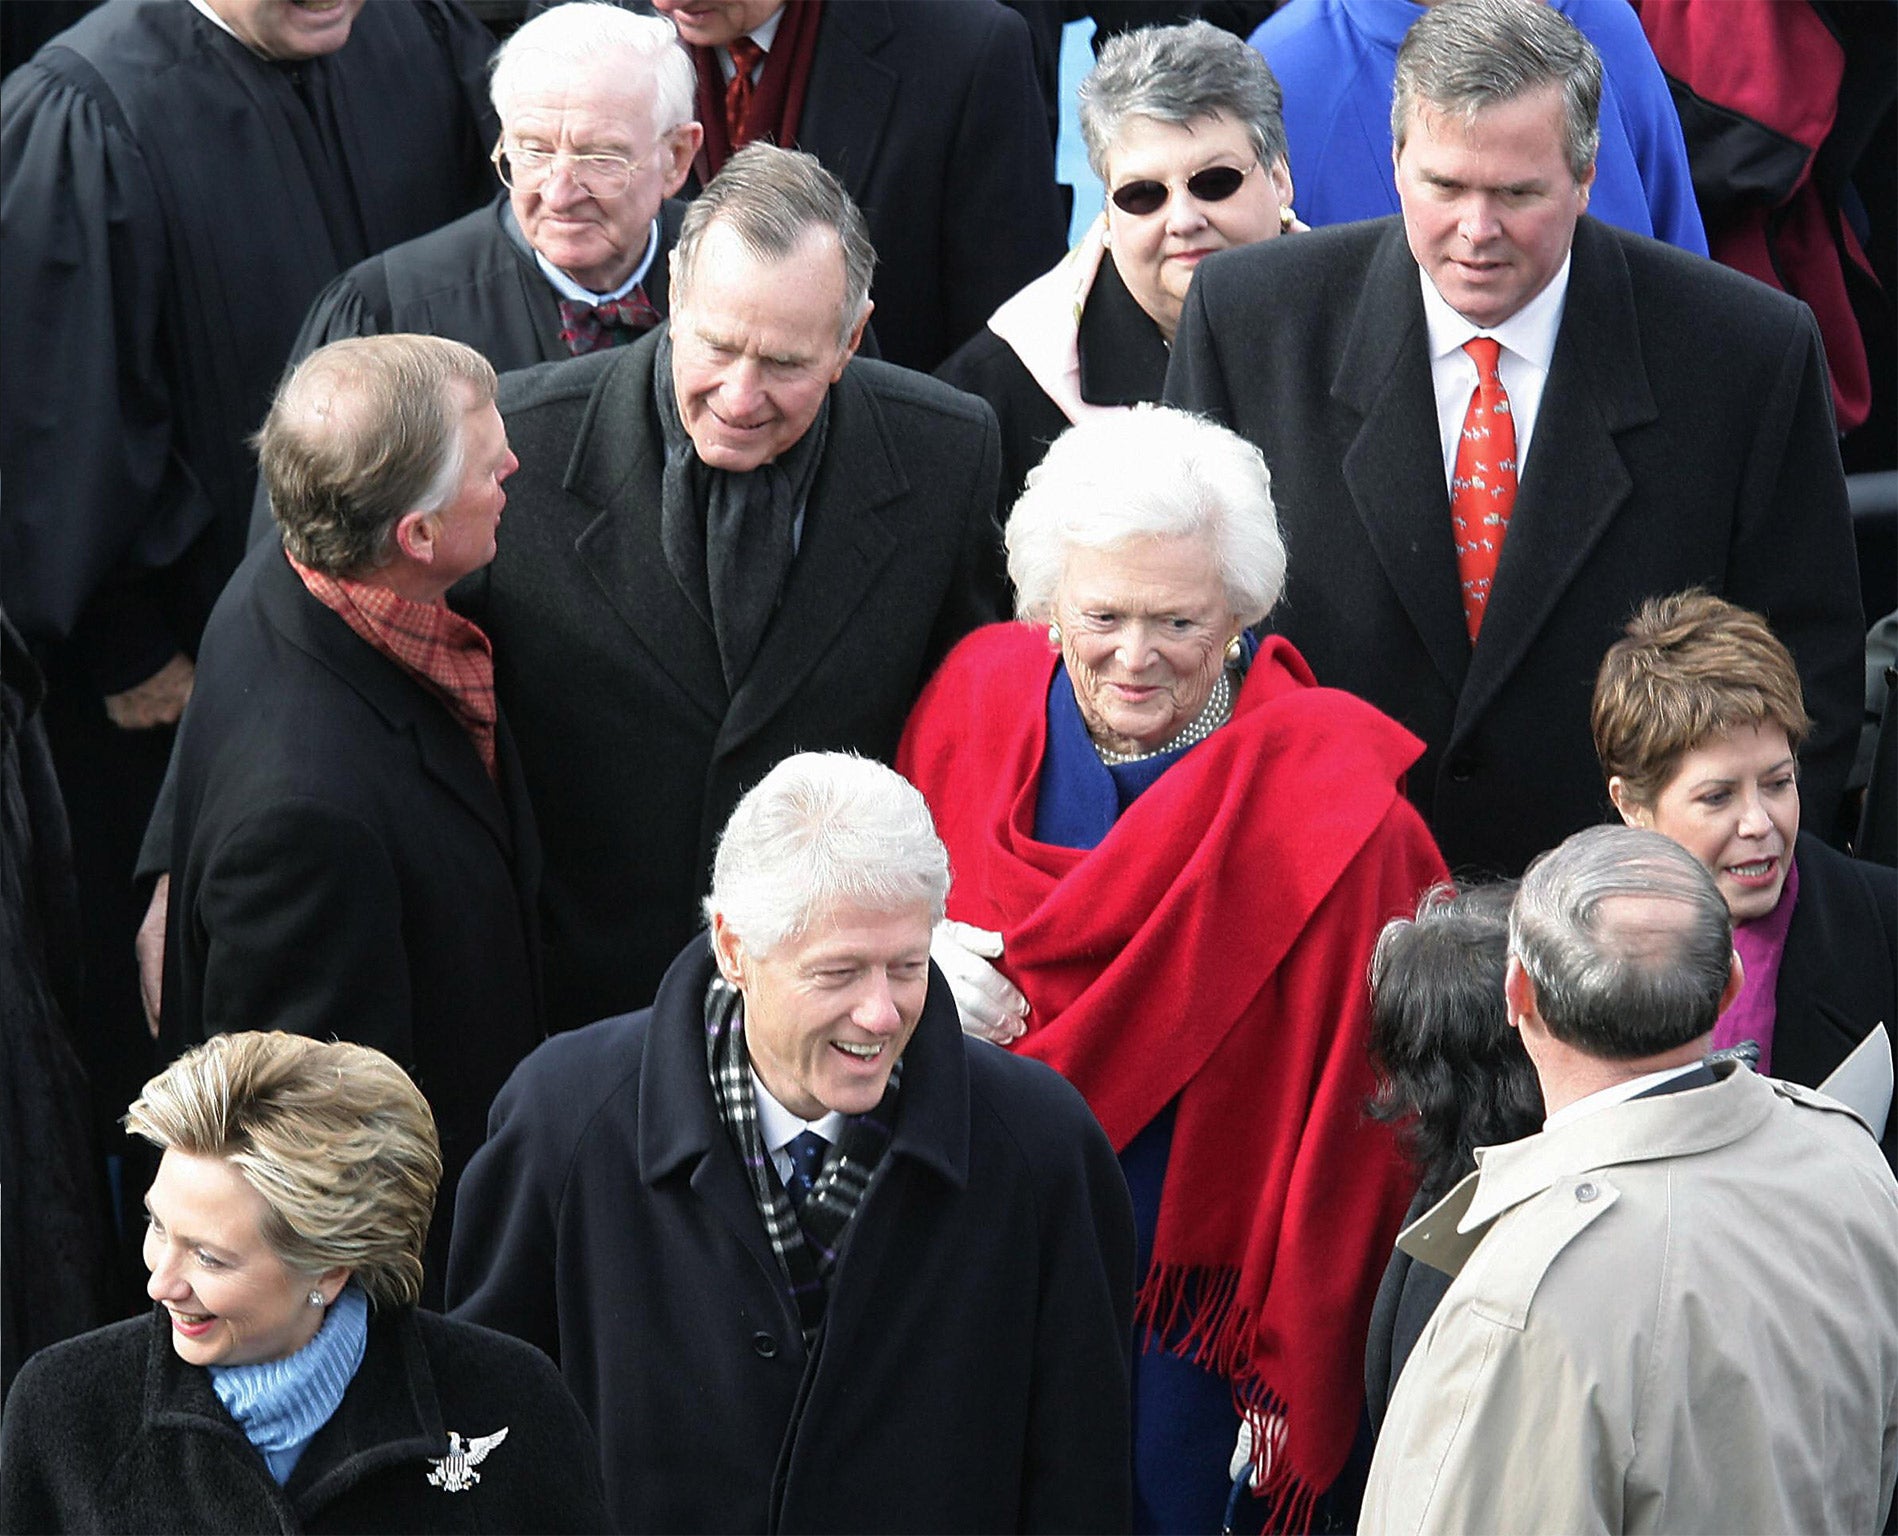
(810, 1259)
(731, 541)
(353, 851)
(1669, 425)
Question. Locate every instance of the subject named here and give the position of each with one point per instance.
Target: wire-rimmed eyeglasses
(528, 170)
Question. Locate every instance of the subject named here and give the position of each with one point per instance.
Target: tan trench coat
(1675, 1314)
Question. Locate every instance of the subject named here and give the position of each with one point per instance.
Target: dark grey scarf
(727, 537)
(807, 1243)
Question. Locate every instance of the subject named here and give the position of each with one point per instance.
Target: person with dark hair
(353, 852)
(285, 1378)
(1674, 1308)
(1452, 1076)
(1698, 719)
(1498, 424)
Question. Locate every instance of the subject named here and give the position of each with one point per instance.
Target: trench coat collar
(1634, 1131)
(678, 1117)
(389, 1413)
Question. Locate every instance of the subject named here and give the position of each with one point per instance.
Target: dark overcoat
(635, 752)
(342, 865)
(1685, 438)
(971, 1372)
(113, 1432)
(928, 112)
(1838, 975)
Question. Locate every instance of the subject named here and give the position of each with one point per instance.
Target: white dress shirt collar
(1620, 1093)
(567, 288)
(779, 1126)
(764, 36)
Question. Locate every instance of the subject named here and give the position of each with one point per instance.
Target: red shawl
(1213, 948)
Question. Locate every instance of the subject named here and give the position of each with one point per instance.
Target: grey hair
(334, 1136)
(1180, 75)
(584, 33)
(361, 433)
(1464, 55)
(820, 831)
(1148, 472)
(1612, 980)
(770, 198)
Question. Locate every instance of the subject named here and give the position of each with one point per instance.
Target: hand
(149, 946)
(159, 700)
(1242, 1451)
(990, 1006)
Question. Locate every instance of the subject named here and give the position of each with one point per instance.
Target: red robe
(1211, 949)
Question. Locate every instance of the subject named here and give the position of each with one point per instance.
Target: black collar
(1122, 354)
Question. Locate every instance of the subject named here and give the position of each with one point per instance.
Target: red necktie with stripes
(1483, 485)
(745, 56)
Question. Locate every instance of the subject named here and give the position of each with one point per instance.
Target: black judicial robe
(474, 281)
(171, 205)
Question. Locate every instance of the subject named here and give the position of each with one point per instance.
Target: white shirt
(780, 1127)
(764, 36)
(1620, 1093)
(1527, 339)
(567, 288)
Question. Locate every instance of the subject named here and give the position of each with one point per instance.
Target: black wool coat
(113, 1432)
(634, 751)
(972, 1370)
(1685, 437)
(342, 865)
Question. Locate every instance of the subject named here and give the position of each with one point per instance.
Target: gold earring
(1234, 651)
(1286, 218)
(1054, 634)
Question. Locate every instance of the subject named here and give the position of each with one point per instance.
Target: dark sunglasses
(1213, 185)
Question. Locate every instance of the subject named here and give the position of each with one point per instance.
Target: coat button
(1462, 770)
(1584, 1191)
(765, 1345)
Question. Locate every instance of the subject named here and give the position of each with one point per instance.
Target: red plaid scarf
(447, 654)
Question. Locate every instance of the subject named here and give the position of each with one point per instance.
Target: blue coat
(971, 1373)
(1337, 62)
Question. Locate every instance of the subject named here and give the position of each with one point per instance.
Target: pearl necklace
(1217, 711)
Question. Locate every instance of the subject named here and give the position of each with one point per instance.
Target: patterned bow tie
(589, 327)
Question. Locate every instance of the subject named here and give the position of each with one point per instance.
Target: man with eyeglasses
(1497, 424)
(597, 134)
(730, 541)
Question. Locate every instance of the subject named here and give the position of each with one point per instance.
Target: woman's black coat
(113, 1432)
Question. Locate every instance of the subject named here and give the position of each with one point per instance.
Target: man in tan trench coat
(1675, 1308)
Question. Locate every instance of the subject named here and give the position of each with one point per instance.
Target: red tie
(745, 56)
(1483, 487)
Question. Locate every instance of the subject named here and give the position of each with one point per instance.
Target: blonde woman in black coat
(285, 1381)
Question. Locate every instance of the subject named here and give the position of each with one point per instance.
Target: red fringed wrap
(1213, 948)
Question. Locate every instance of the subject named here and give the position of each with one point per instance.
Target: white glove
(988, 1002)
(1242, 1452)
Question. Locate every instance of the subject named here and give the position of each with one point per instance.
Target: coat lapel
(444, 749)
(617, 466)
(851, 95)
(1392, 466)
(848, 539)
(1577, 482)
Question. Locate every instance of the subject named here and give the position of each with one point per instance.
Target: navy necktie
(807, 1151)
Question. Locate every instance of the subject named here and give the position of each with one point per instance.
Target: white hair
(821, 831)
(583, 32)
(1149, 472)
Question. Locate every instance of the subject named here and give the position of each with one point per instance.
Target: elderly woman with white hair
(1188, 850)
(286, 1380)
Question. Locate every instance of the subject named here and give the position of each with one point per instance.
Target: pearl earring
(1054, 635)
(1234, 651)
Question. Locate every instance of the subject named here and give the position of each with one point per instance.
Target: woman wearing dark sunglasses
(1183, 127)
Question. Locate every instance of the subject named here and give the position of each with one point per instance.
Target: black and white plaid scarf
(807, 1250)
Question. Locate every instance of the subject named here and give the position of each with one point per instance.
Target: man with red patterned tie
(929, 114)
(1495, 425)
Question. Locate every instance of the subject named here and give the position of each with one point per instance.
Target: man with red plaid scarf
(353, 854)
